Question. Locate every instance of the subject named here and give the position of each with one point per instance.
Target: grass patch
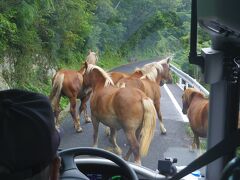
(203, 142)
(111, 61)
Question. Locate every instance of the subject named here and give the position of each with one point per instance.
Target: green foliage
(175, 78)
(39, 35)
(8, 33)
(110, 60)
(158, 32)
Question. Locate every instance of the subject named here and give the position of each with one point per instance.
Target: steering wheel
(69, 170)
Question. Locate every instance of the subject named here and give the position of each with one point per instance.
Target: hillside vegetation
(39, 35)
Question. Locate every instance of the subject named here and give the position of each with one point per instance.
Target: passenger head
(28, 138)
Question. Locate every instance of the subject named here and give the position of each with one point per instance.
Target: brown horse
(92, 57)
(148, 79)
(120, 108)
(116, 76)
(195, 105)
(69, 83)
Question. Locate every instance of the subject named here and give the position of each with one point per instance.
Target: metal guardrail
(188, 79)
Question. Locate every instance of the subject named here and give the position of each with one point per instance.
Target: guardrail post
(188, 80)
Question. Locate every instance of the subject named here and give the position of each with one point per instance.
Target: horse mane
(108, 79)
(201, 94)
(150, 71)
(165, 60)
(196, 92)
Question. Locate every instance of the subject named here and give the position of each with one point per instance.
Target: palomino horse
(195, 105)
(145, 70)
(150, 77)
(126, 108)
(92, 57)
(161, 72)
(69, 83)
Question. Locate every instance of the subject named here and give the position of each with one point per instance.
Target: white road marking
(184, 117)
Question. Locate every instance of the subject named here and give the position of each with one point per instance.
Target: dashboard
(102, 169)
(99, 172)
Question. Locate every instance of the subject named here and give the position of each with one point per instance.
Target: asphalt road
(174, 144)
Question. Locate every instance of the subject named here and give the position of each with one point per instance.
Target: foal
(195, 105)
(120, 108)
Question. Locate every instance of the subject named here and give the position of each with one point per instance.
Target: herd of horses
(127, 101)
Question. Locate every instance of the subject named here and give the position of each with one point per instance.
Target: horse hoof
(57, 128)
(107, 131)
(79, 130)
(138, 163)
(109, 149)
(164, 133)
(192, 149)
(88, 120)
(125, 158)
(94, 146)
(163, 130)
(118, 151)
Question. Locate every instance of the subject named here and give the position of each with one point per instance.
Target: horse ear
(89, 51)
(165, 61)
(184, 88)
(85, 64)
(169, 59)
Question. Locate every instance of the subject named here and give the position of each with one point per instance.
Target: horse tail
(148, 126)
(56, 89)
